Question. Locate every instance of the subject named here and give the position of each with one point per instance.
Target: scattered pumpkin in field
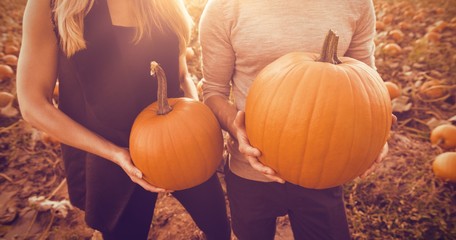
(419, 17)
(404, 26)
(444, 136)
(391, 49)
(433, 90)
(439, 26)
(393, 90)
(311, 116)
(6, 72)
(10, 60)
(379, 26)
(433, 37)
(397, 35)
(388, 19)
(177, 143)
(11, 49)
(6, 105)
(444, 166)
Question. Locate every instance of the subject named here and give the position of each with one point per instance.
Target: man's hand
(250, 152)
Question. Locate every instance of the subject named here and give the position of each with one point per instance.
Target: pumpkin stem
(329, 51)
(162, 93)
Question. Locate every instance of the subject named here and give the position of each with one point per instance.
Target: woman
(100, 51)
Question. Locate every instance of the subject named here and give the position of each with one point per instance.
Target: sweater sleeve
(217, 53)
(362, 46)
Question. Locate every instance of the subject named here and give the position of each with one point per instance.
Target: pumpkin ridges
(279, 133)
(348, 152)
(267, 114)
(307, 118)
(318, 149)
(205, 136)
(300, 148)
(209, 137)
(330, 77)
(182, 165)
(367, 90)
(185, 170)
(377, 84)
(306, 121)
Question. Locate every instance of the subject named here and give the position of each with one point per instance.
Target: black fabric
(205, 203)
(104, 87)
(207, 207)
(314, 214)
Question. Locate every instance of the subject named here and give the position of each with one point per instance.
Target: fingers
(250, 152)
(149, 187)
(241, 135)
(367, 172)
(383, 153)
(394, 119)
(137, 177)
(267, 171)
(246, 149)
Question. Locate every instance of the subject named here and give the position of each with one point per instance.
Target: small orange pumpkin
(10, 59)
(444, 136)
(393, 90)
(6, 72)
(319, 121)
(379, 26)
(177, 143)
(397, 35)
(444, 166)
(434, 89)
(391, 49)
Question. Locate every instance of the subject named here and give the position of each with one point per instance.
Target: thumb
(131, 170)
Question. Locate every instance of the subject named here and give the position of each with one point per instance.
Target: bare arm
(218, 66)
(186, 82)
(36, 77)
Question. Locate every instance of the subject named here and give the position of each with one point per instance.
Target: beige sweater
(240, 37)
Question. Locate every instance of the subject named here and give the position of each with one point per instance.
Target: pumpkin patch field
(411, 194)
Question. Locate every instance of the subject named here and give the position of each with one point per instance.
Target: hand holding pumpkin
(123, 159)
(250, 152)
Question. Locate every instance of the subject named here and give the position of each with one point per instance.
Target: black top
(104, 87)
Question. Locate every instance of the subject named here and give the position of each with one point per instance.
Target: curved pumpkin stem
(329, 51)
(162, 93)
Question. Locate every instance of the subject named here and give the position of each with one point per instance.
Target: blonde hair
(147, 14)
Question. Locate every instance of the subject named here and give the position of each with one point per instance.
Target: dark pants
(205, 203)
(313, 214)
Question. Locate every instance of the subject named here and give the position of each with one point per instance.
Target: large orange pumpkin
(177, 143)
(319, 121)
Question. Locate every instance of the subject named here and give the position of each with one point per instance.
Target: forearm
(45, 117)
(189, 88)
(225, 112)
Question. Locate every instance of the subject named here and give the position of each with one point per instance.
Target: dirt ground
(402, 199)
